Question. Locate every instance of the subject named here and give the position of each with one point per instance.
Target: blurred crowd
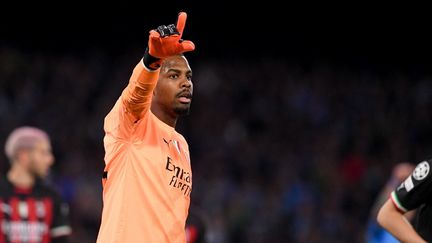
(281, 152)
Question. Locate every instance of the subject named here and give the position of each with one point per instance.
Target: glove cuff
(150, 61)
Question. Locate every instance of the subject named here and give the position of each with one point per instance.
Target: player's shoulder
(182, 139)
(5, 185)
(47, 189)
(111, 119)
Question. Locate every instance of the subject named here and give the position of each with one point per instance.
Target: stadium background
(297, 119)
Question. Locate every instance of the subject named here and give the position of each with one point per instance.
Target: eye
(174, 76)
(189, 77)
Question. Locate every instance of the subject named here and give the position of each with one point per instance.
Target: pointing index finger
(181, 22)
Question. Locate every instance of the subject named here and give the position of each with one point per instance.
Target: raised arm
(163, 42)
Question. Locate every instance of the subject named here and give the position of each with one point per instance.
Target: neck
(20, 177)
(164, 116)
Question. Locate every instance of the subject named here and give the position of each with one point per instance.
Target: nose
(50, 159)
(185, 83)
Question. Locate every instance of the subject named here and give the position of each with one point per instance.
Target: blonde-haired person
(30, 209)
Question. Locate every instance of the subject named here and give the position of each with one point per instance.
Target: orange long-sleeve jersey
(148, 178)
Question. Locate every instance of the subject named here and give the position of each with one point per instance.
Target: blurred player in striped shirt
(30, 210)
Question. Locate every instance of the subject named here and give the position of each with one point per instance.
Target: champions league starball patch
(421, 171)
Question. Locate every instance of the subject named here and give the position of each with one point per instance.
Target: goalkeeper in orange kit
(147, 178)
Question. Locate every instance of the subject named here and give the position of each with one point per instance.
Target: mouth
(185, 97)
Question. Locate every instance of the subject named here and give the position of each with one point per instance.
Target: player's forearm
(400, 228)
(136, 97)
(394, 222)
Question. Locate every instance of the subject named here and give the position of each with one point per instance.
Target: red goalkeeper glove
(166, 41)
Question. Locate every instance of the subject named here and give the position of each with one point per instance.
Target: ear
(22, 156)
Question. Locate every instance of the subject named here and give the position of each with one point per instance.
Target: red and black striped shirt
(35, 215)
